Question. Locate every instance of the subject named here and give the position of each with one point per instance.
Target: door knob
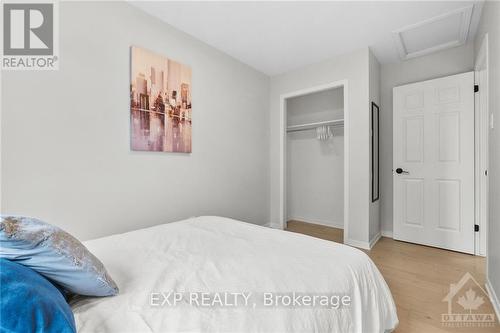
(401, 171)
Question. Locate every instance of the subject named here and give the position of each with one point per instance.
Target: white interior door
(433, 162)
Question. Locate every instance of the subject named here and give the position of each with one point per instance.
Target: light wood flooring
(419, 278)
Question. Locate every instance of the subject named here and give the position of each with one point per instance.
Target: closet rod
(305, 127)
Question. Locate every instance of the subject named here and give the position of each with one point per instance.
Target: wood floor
(419, 278)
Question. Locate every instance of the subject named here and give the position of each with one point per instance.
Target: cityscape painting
(160, 103)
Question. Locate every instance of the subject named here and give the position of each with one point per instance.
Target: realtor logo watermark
(30, 36)
(466, 303)
(294, 300)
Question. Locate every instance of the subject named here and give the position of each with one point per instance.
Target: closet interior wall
(315, 168)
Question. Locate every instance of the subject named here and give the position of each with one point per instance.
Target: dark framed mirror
(375, 152)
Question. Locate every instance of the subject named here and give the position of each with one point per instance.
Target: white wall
(65, 134)
(374, 81)
(354, 68)
(315, 169)
(449, 62)
(490, 24)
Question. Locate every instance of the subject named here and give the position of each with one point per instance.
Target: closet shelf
(303, 127)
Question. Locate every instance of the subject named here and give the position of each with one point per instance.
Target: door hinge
(476, 88)
(476, 227)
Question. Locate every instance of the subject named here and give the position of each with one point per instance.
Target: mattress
(167, 272)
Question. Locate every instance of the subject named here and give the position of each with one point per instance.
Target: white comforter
(214, 254)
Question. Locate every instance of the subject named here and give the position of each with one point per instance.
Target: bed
(215, 255)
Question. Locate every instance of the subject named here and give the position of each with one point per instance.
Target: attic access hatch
(435, 34)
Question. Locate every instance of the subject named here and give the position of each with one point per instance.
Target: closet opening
(314, 168)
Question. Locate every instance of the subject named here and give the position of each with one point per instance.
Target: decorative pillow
(55, 254)
(30, 303)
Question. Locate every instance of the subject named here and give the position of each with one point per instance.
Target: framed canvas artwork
(160, 103)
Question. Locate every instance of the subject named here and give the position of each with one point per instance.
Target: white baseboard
(333, 224)
(387, 233)
(375, 239)
(272, 225)
(493, 298)
(364, 245)
(357, 243)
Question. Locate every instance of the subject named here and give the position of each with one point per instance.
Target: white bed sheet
(214, 254)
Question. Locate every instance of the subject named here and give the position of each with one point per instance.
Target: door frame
(283, 139)
(481, 148)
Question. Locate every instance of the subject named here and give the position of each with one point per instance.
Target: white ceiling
(275, 37)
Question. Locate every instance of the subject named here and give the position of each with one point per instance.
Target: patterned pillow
(55, 254)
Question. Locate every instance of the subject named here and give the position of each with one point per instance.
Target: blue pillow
(30, 303)
(55, 254)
